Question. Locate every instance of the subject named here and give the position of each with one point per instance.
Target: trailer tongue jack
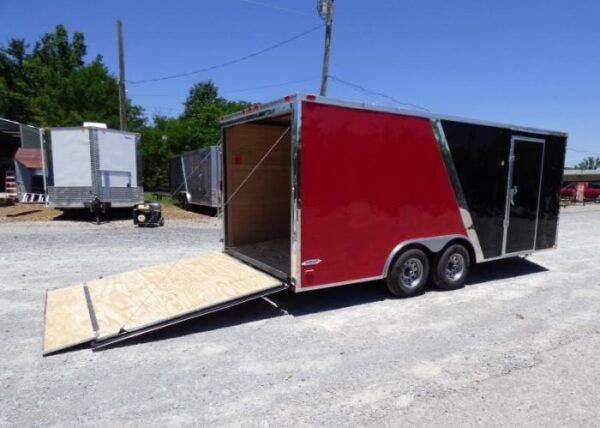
(98, 209)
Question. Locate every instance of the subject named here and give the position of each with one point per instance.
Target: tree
(200, 96)
(589, 163)
(197, 127)
(51, 84)
(160, 142)
(202, 110)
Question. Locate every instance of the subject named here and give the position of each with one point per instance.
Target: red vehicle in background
(591, 190)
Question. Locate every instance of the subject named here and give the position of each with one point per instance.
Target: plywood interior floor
(274, 253)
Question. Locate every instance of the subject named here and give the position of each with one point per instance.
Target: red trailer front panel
(368, 181)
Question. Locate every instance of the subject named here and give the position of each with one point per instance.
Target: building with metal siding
(574, 175)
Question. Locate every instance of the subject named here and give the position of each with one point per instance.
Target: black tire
(184, 203)
(162, 222)
(451, 267)
(408, 274)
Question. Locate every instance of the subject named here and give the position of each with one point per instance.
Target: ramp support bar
(124, 335)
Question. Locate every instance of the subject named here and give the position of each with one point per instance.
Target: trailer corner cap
(121, 306)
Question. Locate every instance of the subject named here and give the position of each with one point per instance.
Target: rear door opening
(257, 194)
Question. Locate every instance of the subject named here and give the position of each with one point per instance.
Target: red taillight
(311, 97)
(289, 98)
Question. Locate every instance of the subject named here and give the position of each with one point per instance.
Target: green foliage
(589, 163)
(197, 127)
(51, 85)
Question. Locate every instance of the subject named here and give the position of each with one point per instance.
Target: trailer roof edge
(259, 110)
(61, 128)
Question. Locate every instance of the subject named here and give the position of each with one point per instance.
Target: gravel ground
(38, 212)
(518, 346)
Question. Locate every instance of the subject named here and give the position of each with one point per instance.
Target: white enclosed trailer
(93, 167)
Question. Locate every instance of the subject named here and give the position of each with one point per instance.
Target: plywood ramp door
(119, 306)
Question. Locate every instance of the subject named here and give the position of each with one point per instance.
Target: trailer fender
(433, 244)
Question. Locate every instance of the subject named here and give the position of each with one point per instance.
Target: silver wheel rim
(455, 268)
(412, 273)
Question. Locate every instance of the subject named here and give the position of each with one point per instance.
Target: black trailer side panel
(480, 155)
(554, 160)
(481, 158)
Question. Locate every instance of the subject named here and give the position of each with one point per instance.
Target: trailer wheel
(451, 267)
(409, 273)
(184, 203)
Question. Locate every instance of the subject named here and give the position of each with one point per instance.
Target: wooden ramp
(111, 309)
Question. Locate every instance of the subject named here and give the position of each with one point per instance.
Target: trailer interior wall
(257, 211)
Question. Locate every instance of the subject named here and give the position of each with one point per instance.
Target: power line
(368, 91)
(231, 62)
(274, 85)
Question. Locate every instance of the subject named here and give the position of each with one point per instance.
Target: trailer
(195, 177)
(92, 167)
(22, 170)
(320, 193)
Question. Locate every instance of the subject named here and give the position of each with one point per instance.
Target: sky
(526, 62)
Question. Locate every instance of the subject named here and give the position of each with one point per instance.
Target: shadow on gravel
(255, 310)
(85, 215)
(330, 299)
(320, 301)
(503, 269)
(200, 209)
(75, 348)
(22, 213)
(286, 301)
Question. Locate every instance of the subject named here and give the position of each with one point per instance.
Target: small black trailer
(195, 177)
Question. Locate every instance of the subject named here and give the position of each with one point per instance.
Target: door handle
(513, 193)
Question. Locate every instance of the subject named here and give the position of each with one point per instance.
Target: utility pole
(325, 8)
(122, 94)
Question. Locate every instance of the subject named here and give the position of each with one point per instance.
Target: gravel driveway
(519, 345)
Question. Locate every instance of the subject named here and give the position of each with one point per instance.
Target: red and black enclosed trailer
(321, 193)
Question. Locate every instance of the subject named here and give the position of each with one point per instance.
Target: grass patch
(166, 198)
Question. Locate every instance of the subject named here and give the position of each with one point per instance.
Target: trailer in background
(195, 177)
(30, 174)
(22, 170)
(93, 167)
